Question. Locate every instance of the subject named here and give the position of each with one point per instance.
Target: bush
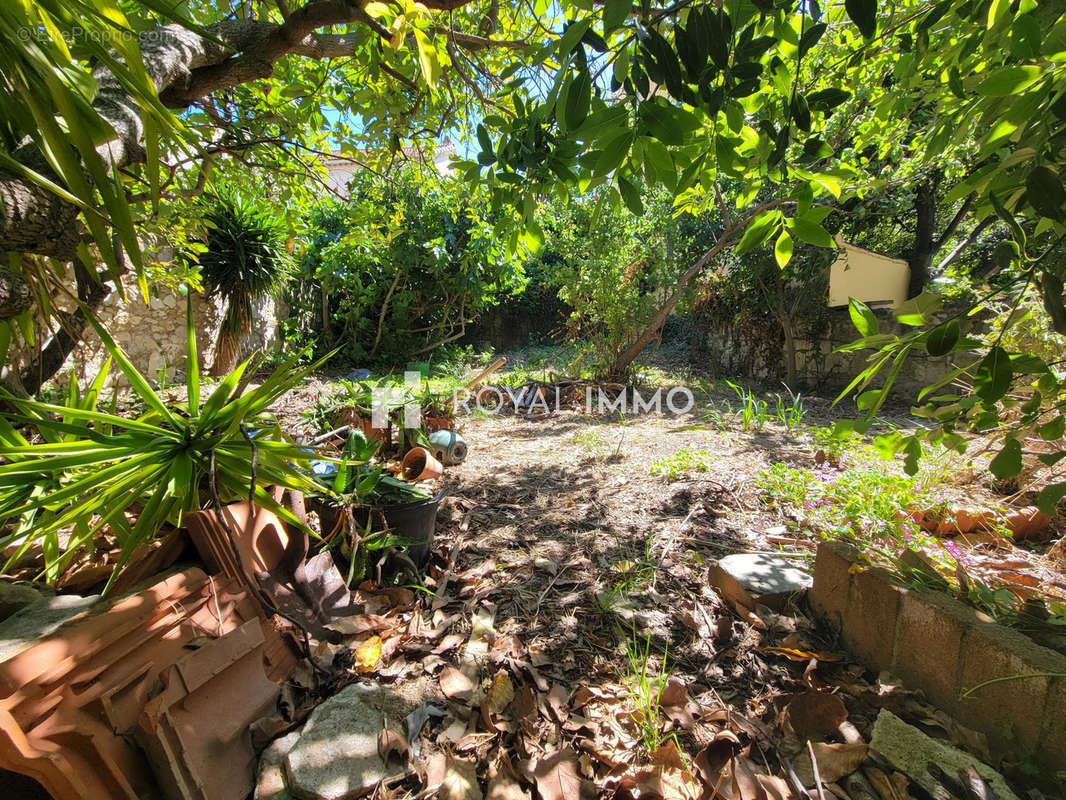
(400, 269)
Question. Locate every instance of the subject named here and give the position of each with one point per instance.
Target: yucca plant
(93, 466)
(244, 260)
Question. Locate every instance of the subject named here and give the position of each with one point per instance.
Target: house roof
(415, 152)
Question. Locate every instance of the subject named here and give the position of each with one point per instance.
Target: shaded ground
(568, 591)
(570, 572)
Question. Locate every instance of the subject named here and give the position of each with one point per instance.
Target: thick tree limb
(969, 240)
(622, 362)
(16, 296)
(922, 252)
(949, 231)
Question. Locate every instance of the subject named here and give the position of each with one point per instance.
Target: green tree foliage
(402, 267)
(243, 260)
(613, 267)
(805, 104)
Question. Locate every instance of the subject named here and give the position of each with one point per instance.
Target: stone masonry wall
(153, 334)
(754, 348)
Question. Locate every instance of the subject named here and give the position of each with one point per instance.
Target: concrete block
(832, 581)
(1011, 712)
(871, 617)
(929, 645)
(1052, 749)
(751, 578)
(910, 751)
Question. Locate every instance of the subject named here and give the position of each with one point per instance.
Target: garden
(452, 399)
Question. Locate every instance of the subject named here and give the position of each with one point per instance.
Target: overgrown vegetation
(90, 466)
(400, 269)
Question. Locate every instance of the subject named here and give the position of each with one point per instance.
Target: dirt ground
(571, 581)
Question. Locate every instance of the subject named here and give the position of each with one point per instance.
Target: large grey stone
(39, 619)
(336, 756)
(750, 578)
(16, 596)
(910, 751)
(270, 785)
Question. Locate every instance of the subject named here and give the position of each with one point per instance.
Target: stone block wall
(153, 334)
(948, 649)
(753, 348)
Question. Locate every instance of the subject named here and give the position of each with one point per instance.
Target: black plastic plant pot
(415, 521)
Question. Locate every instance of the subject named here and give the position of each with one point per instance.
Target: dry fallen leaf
(457, 778)
(814, 715)
(500, 693)
(392, 744)
(774, 788)
(745, 783)
(455, 685)
(368, 654)
(674, 693)
(794, 654)
(524, 704)
(449, 642)
(660, 783)
(557, 699)
(557, 779)
(835, 761)
(503, 783)
(668, 756)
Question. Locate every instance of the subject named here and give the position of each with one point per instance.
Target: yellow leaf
(399, 31)
(801, 655)
(427, 58)
(368, 654)
(377, 9)
(500, 694)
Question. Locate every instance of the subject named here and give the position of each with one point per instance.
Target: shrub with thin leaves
(91, 467)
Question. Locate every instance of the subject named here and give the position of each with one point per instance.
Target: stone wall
(153, 334)
(753, 348)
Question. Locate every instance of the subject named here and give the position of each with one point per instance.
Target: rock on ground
(750, 578)
(909, 750)
(270, 784)
(37, 620)
(336, 754)
(16, 596)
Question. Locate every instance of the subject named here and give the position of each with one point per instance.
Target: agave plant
(244, 260)
(94, 466)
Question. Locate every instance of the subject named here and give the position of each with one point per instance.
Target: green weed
(790, 414)
(753, 411)
(645, 685)
(681, 463)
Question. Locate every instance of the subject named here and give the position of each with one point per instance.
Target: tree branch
(969, 240)
(960, 215)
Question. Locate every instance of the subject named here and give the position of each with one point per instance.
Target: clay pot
(420, 465)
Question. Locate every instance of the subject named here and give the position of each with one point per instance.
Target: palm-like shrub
(88, 469)
(244, 260)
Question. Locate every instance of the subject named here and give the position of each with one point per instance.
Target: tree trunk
(622, 362)
(71, 331)
(921, 255)
(790, 350)
(227, 352)
(236, 322)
